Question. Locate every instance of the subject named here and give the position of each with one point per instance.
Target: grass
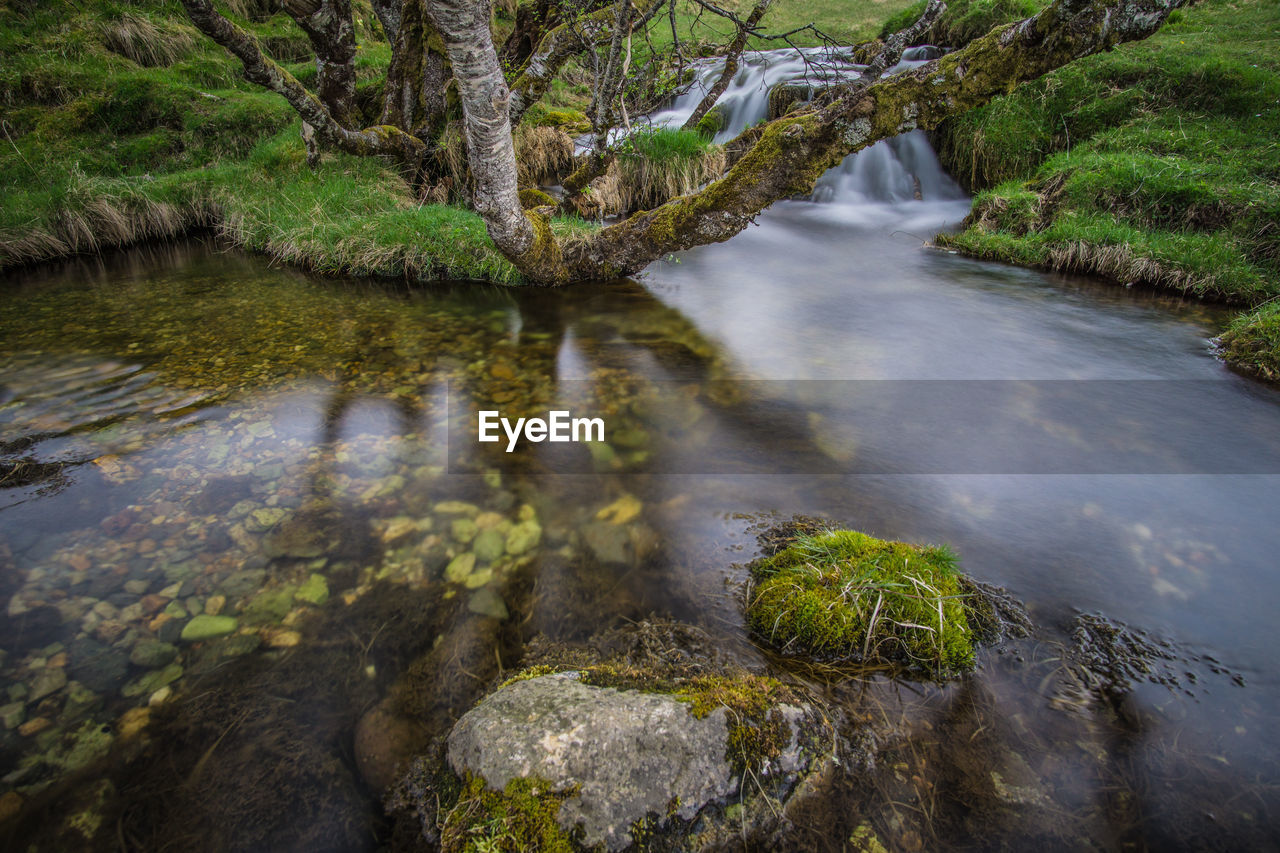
(656, 165)
(843, 595)
(121, 124)
(1157, 164)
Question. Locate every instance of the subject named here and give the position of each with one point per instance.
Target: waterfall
(893, 171)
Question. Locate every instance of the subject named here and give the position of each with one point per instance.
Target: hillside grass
(1155, 164)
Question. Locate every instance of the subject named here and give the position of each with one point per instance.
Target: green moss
(845, 595)
(711, 123)
(570, 121)
(757, 733)
(521, 817)
(531, 197)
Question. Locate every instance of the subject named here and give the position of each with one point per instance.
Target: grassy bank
(121, 123)
(1156, 164)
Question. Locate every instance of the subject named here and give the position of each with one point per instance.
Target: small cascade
(894, 171)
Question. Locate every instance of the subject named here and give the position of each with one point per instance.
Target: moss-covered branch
(793, 151)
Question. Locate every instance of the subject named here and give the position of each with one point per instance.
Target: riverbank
(1152, 165)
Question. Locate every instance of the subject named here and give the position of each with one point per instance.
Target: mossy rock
(531, 198)
(844, 595)
(711, 123)
(634, 747)
(570, 121)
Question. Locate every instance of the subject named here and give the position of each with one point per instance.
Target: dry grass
(149, 43)
(644, 183)
(543, 154)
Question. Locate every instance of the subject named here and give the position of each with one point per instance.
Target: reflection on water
(239, 504)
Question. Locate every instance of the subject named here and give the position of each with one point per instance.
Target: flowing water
(239, 502)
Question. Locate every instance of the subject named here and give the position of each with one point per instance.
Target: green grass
(101, 149)
(1158, 163)
(844, 595)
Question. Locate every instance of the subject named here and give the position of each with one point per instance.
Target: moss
(757, 732)
(531, 197)
(521, 817)
(570, 121)
(844, 595)
(711, 123)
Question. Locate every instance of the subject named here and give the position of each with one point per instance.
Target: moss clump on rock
(840, 594)
(531, 198)
(520, 817)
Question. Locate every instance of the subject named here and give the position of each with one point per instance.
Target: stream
(195, 437)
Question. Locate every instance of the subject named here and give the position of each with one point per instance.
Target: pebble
(214, 604)
(281, 638)
(34, 726)
(486, 602)
(315, 590)
(46, 682)
(460, 567)
(205, 627)
(523, 536)
(489, 546)
(134, 721)
(160, 696)
(152, 654)
(10, 804)
(13, 714)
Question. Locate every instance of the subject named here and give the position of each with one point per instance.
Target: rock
(463, 529)
(306, 536)
(265, 518)
(152, 654)
(10, 804)
(523, 536)
(489, 546)
(133, 721)
(384, 741)
(152, 681)
(281, 638)
(399, 528)
(80, 700)
(214, 604)
(621, 511)
(204, 627)
(486, 602)
(631, 753)
(13, 714)
(460, 567)
(100, 668)
(610, 543)
(271, 605)
(47, 681)
(315, 590)
(34, 726)
(456, 508)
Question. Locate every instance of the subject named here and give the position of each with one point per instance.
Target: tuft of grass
(1253, 340)
(151, 43)
(656, 165)
(841, 594)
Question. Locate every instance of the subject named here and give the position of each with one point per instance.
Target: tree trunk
(414, 96)
(328, 26)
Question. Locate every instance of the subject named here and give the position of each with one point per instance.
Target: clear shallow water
(188, 432)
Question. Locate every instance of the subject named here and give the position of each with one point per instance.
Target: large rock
(631, 753)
